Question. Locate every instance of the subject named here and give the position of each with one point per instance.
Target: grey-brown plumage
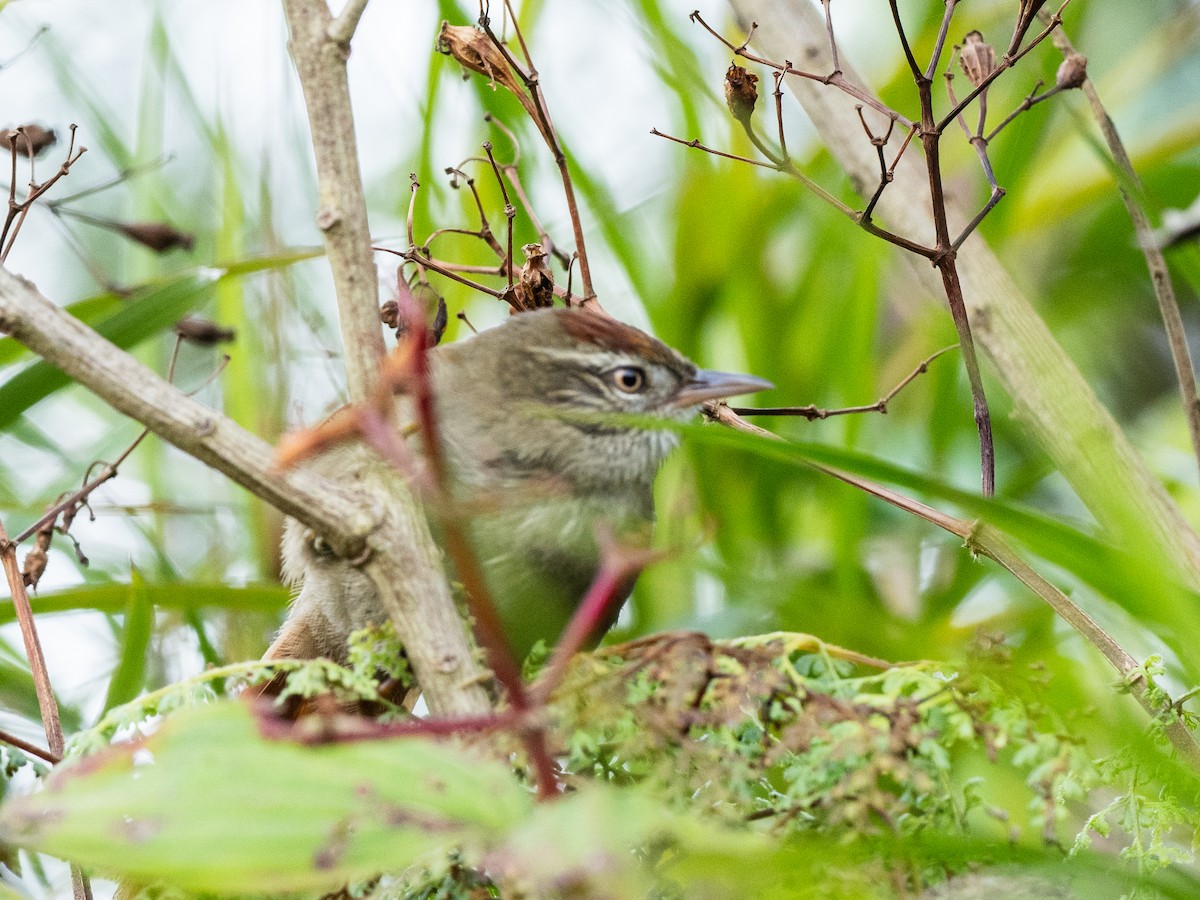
(522, 410)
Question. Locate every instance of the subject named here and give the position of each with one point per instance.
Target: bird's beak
(707, 385)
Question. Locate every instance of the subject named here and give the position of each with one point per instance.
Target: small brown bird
(522, 410)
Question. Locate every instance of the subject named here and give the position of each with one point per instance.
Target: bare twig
(33, 647)
(1130, 187)
(835, 78)
(378, 524)
(982, 538)
(541, 117)
(320, 62)
(18, 210)
(32, 749)
(812, 413)
(785, 167)
(509, 211)
(342, 29)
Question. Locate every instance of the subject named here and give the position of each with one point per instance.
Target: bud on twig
(741, 93)
(1072, 73)
(29, 140)
(977, 57)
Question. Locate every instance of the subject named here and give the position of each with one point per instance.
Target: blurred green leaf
(184, 595)
(147, 313)
(207, 804)
(18, 695)
(138, 627)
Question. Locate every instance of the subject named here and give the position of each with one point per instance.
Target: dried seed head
(741, 93)
(389, 314)
(535, 284)
(29, 140)
(474, 50)
(202, 331)
(1072, 73)
(978, 58)
(158, 236)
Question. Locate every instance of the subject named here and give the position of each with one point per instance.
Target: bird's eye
(629, 379)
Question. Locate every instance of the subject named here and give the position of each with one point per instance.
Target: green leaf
(207, 804)
(130, 675)
(144, 315)
(113, 598)
(19, 695)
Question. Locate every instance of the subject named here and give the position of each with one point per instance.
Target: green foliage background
(736, 267)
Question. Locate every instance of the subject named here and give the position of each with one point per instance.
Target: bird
(536, 452)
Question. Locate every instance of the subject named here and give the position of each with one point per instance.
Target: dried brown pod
(741, 93)
(29, 140)
(476, 51)
(389, 314)
(203, 332)
(1072, 72)
(37, 559)
(158, 236)
(535, 284)
(977, 57)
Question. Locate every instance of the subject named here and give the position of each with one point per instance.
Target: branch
(812, 413)
(80, 886)
(1160, 276)
(381, 523)
(1050, 397)
(979, 537)
(321, 64)
(342, 28)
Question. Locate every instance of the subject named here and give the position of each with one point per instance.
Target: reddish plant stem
(488, 626)
(605, 590)
(33, 647)
(32, 749)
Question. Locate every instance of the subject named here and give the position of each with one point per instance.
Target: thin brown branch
(836, 78)
(33, 647)
(1006, 62)
(18, 210)
(32, 749)
(985, 540)
(903, 35)
(940, 43)
(510, 211)
(1129, 186)
(414, 256)
(786, 168)
(485, 232)
(813, 413)
(550, 136)
(320, 62)
(944, 260)
(1032, 100)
